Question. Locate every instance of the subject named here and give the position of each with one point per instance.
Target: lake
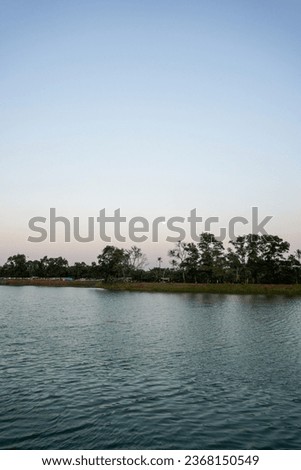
(94, 369)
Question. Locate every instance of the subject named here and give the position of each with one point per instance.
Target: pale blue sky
(155, 107)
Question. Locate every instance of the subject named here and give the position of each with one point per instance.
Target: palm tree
(298, 266)
(298, 255)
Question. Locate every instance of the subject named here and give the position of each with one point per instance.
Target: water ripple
(90, 369)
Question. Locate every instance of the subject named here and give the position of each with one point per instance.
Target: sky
(153, 107)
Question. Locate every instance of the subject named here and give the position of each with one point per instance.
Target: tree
(54, 267)
(16, 266)
(113, 262)
(79, 270)
(178, 255)
(298, 255)
(34, 268)
(272, 253)
(297, 265)
(211, 253)
(258, 258)
(136, 259)
(191, 262)
(237, 259)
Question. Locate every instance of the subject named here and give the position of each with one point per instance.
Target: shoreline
(234, 289)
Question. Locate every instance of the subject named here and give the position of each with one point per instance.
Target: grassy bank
(49, 283)
(241, 289)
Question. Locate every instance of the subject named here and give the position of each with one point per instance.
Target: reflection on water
(91, 369)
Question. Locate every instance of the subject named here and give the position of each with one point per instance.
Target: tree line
(249, 259)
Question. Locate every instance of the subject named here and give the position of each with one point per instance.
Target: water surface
(93, 369)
